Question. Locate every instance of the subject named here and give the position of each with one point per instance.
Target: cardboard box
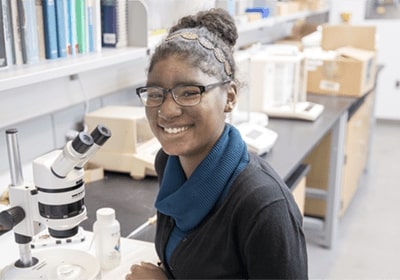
(287, 8)
(352, 72)
(343, 35)
(312, 5)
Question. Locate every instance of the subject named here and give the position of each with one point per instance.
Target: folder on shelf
(3, 57)
(114, 23)
(16, 34)
(73, 39)
(7, 32)
(81, 25)
(40, 29)
(62, 28)
(28, 30)
(50, 29)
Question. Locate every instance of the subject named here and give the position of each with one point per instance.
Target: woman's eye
(154, 95)
(189, 93)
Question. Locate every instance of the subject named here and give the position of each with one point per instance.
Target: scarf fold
(188, 201)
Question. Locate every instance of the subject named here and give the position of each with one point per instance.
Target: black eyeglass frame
(202, 88)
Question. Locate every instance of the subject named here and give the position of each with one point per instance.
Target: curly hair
(215, 26)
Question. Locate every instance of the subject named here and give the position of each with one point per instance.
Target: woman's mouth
(175, 130)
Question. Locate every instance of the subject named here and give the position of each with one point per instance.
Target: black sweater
(255, 233)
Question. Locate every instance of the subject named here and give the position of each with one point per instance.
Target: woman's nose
(169, 109)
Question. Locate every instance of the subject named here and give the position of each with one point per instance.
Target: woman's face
(186, 131)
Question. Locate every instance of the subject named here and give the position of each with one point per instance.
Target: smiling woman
(222, 212)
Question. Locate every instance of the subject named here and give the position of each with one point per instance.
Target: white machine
(259, 139)
(133, 147)
(252, 125)
(55, 202)
(278, 84)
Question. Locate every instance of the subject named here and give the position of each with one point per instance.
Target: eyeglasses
(184, 95)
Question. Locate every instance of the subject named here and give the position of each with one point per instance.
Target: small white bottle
(107, 236)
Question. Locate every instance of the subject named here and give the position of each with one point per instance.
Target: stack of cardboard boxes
(352, 70)
(351, 73)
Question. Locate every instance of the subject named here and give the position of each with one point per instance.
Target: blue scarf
(188, 201)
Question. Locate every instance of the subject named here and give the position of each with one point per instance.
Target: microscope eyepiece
(100, 134)
(82, 142)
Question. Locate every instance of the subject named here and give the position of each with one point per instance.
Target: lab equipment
(252, 125)
(278, 84)
(259, 139)
(55, 202)
(107, 234)
(134, 147)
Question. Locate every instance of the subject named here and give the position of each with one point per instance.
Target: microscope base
(57, 264)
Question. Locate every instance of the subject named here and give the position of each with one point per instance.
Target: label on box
(329, 86)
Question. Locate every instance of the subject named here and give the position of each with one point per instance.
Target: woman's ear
(231, 97)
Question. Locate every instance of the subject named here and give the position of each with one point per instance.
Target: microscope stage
(56, 264)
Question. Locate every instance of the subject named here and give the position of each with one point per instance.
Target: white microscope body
(55, 202)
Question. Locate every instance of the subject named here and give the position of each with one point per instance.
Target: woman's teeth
(175, 130)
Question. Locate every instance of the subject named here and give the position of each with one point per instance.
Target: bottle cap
(105, 214)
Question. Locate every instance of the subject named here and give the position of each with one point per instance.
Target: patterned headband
(205, 43)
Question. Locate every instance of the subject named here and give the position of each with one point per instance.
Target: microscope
(54, 202)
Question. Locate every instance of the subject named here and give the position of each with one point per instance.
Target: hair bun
(216, 20)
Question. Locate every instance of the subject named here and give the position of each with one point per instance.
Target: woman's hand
(146, 271)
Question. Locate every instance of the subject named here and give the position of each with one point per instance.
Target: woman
(222, 212)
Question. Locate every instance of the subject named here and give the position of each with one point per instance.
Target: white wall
(388, 47)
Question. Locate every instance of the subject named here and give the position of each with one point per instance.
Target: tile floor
(368, 240)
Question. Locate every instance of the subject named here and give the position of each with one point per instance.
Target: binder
(122, 27)
(3, 56)
(109, 23)
(96, 25)
(61, 23)
(7, 32)
(89, 24)
(16, 35)
(73, 39)
(81, 25)
(114, 23)
(28, 30)
(40, 29)
(50, 29)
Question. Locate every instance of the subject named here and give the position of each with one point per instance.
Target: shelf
(270, 29)
(23, 75)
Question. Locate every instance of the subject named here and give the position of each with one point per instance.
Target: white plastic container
(107, 236)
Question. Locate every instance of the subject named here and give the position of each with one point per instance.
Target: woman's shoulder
(259, 172)
(259, 189)
(259, 183)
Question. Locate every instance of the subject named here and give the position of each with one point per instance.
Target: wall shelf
(274, 28)
(23, 75)
(271, 21)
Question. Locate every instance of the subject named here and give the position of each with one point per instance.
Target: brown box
(312, 5)
(352, 71)
(343, 35)
(287, 8)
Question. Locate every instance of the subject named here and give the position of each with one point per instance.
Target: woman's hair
(205, 39)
